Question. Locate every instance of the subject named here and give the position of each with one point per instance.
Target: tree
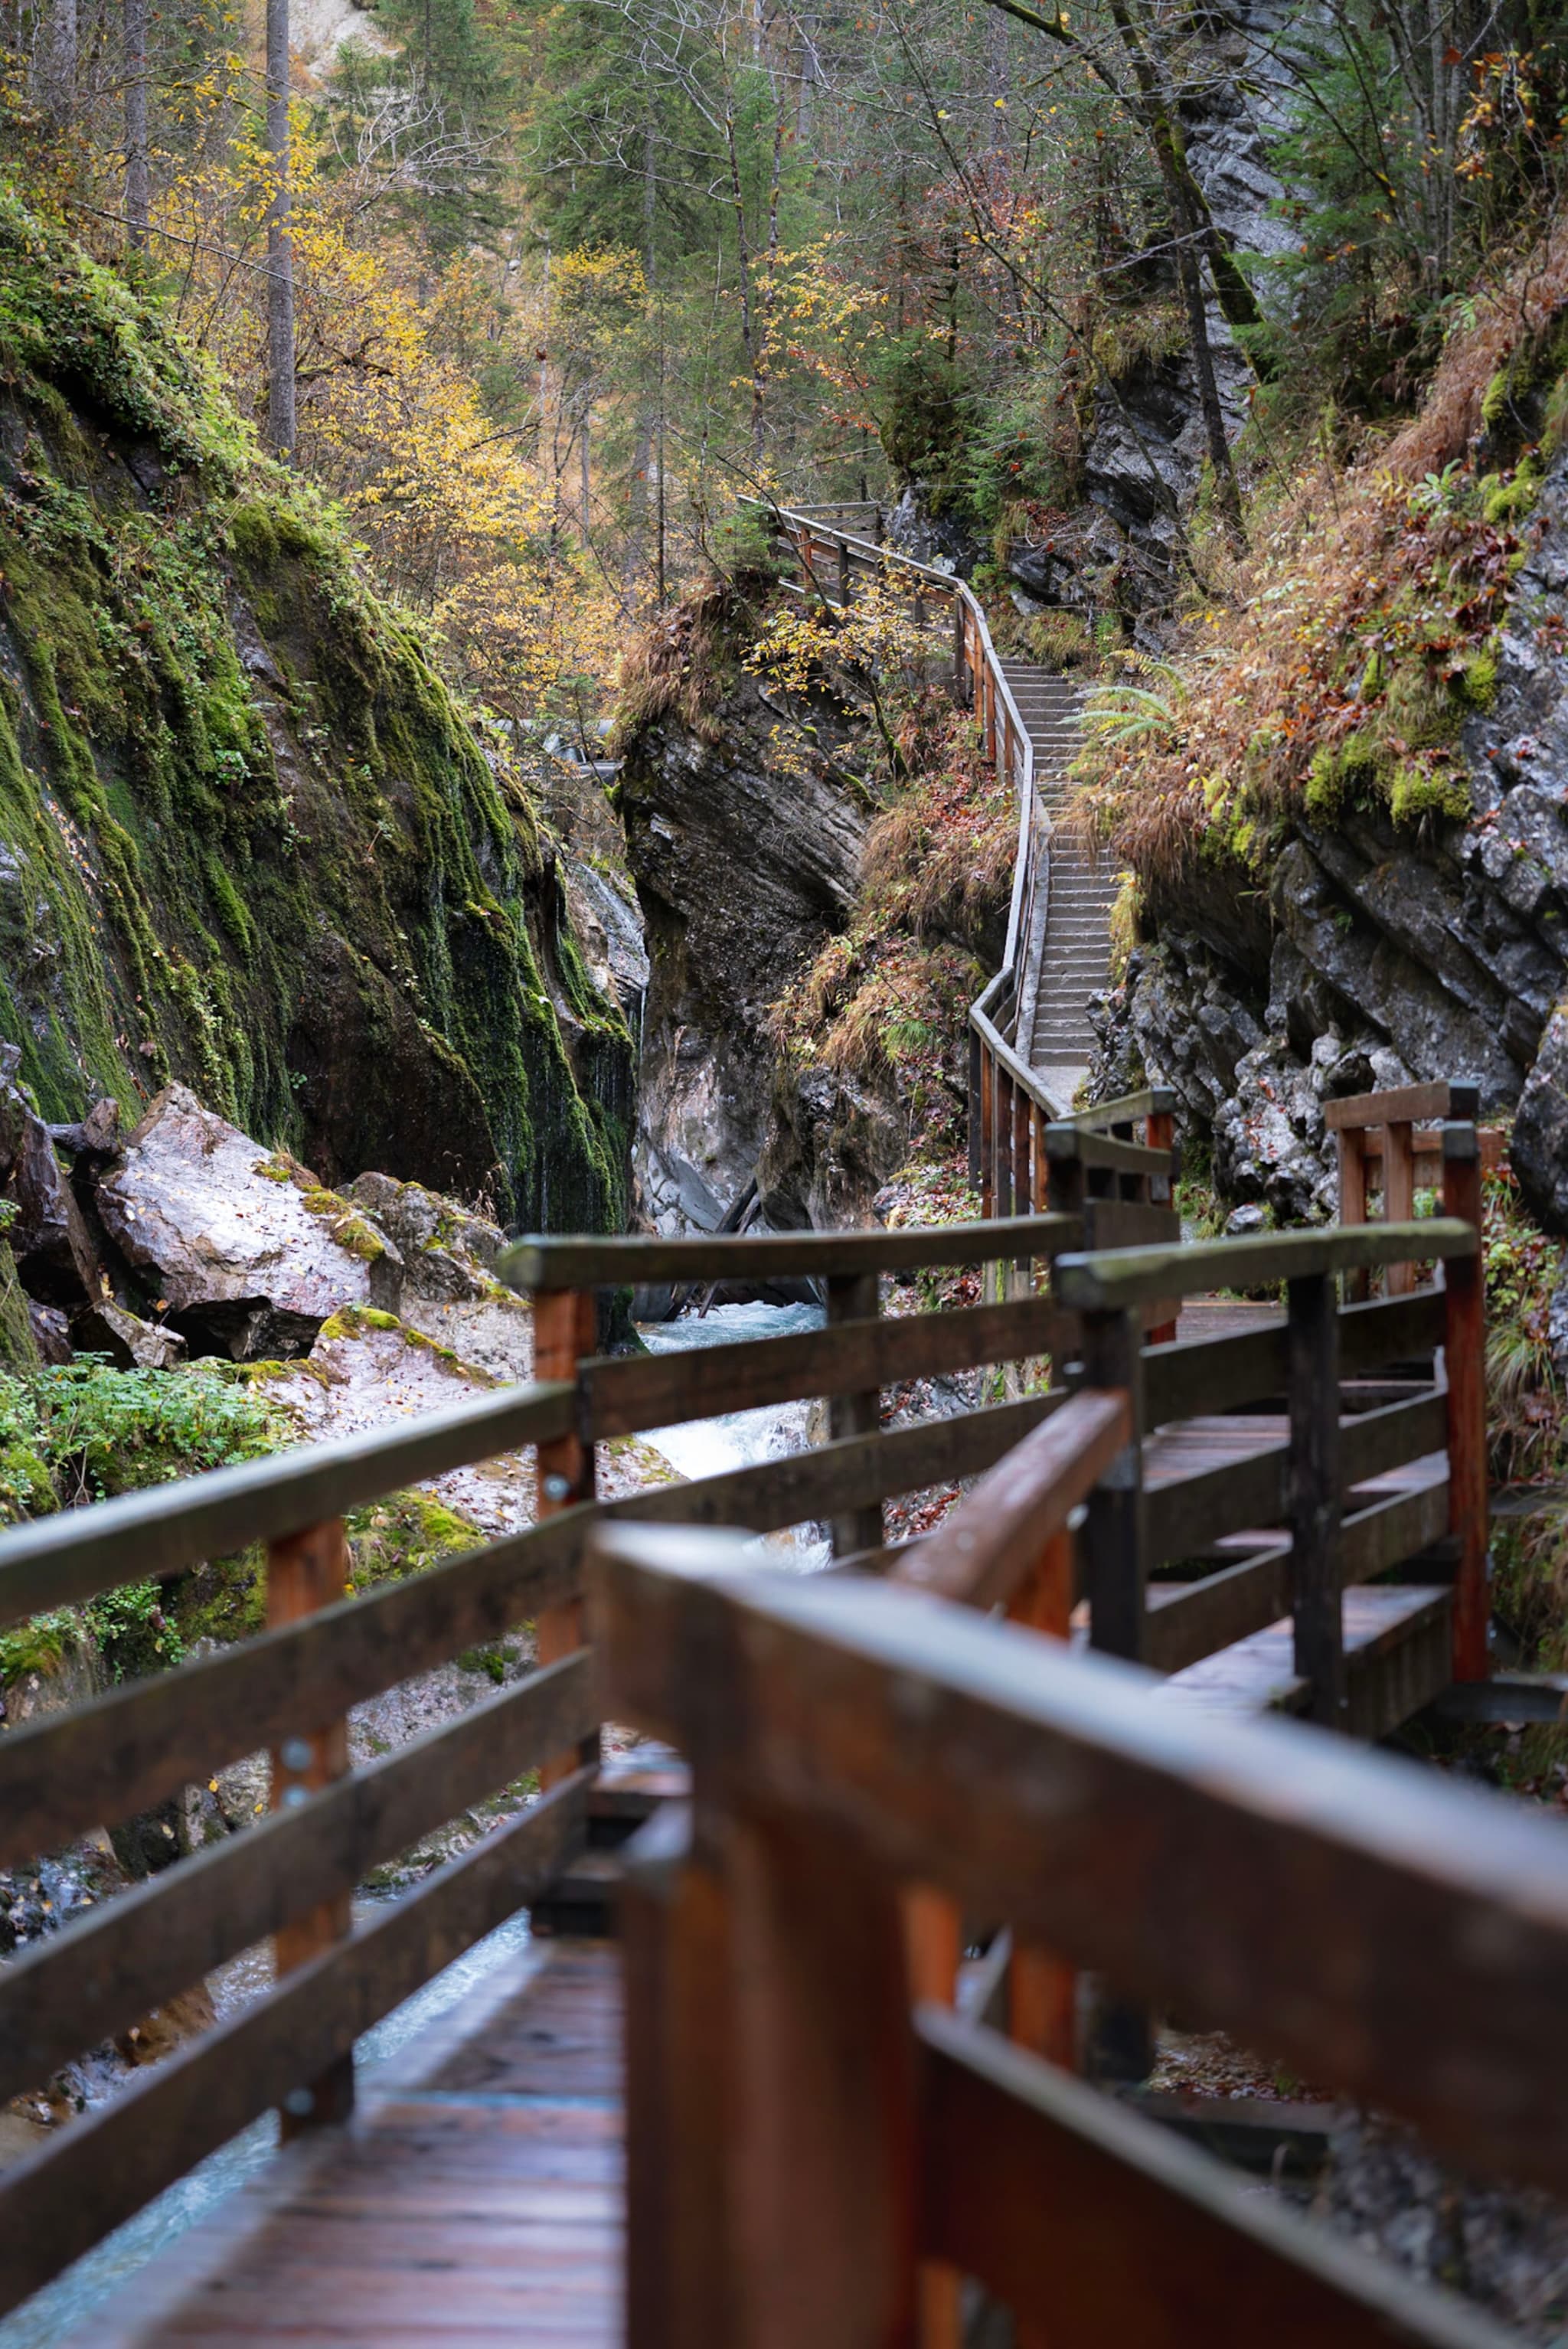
(280, 395)
(137, 161)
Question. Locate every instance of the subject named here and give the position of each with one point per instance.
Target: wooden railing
(810, 2147)
(833, 552)
(290, 1690)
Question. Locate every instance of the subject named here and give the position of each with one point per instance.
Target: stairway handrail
(1033, 823)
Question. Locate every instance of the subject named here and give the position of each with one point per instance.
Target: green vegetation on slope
(247, 837)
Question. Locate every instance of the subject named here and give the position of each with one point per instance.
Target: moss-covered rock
(248, 839)
(18, 1347)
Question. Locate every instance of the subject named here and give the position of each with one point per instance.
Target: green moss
(1476, 685)
(43, 1645)
(1513, 498)
(18, 1350)
(180, 911)
(1418, 791)
(356, 1321)
(403, 1534)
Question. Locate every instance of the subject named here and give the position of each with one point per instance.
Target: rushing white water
(697, 1448)
(706, 1447)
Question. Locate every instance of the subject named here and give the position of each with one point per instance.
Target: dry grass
(677, 667)
(1356, 634)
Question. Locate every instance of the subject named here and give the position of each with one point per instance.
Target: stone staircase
(1065, 956)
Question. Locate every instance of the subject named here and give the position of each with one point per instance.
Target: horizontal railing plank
(102, 1761)
(981, 1553)
(105, 2167)
(1402, 1105)
(108, 1968)
(1189, 1513)
(69, 1772)
(829, 1479)
(1193, 1377)
(1037, 2185)
(1108, 1283)
(1396, 1937)
(543, 1263)
(159, 1531)
(1126, 1110)
(1078, 1146)
(627, 1394)
(1188, 1621)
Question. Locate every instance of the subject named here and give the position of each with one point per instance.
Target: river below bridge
(697, 1448)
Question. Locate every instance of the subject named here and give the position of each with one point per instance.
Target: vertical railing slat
(1313, 1478)
(563, 1336)
(1464, 1356)
(306, 1572)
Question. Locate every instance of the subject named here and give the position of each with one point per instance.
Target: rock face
(745, 866)
(1390, 955)
(248, 839)
(249, 1253)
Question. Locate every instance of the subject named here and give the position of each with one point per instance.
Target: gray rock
(48, 1235)
(447, 1251)
(1539, 1149)
(131, 1343)
(249, 1252)
(1242, 1221)
(944, 541)
(51, 1332)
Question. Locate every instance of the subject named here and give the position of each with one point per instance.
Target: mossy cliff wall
(247, 837)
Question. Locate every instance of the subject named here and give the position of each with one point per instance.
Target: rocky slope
(745, 852)
(247, 838)
(1378, 952)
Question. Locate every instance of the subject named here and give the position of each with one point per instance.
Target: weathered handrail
(290, 1688)
(1396, 1936)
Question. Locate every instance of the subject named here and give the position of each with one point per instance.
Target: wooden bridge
(1192, 1537)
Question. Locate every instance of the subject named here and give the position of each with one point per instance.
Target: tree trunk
(138, 167)
(57, 78)
(280, 245)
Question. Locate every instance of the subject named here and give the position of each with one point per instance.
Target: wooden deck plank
(477, 2197)
(1392, 1651)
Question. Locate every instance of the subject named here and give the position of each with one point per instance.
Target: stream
(697, 1448)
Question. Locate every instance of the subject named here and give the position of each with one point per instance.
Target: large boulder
(450, 1293)
(244, 1252)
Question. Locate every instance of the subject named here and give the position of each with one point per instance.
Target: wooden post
(1399, 1195)
(306, 1572)
(960, 648)
(843, 574)
(1464, 1358)
(852, 1297)
(1160, 1134)
(1116, 1575)
(674, 1929)
(1042, 1991)
(976, 1078)
(823, 2153)
(1313, 1481)
(1022, 1193)
(1116, 1568)
(990, 687)
(934, 1943)
(1352, 1143)
(1004, 1136)
(564, 1336)
(987, 1130)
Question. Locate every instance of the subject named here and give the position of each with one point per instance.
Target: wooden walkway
(476, 2198)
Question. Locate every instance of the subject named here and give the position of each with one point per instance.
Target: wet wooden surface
(476, 2199)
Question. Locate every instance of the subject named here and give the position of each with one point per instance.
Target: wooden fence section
(1218, 1537)
(803, 2140)
(290, 1689)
